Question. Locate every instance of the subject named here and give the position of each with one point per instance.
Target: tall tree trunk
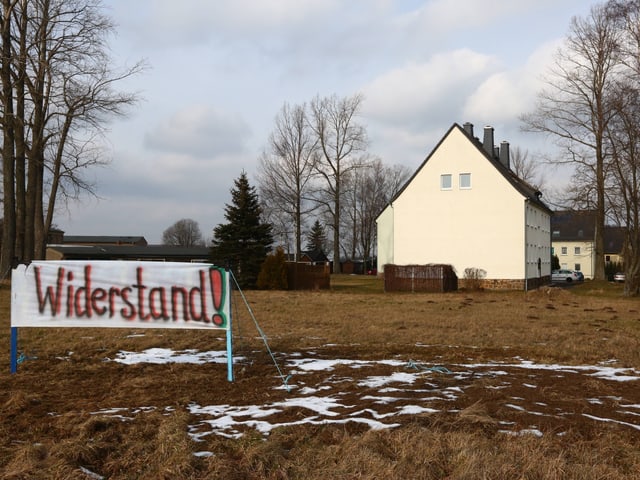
(337, 266)
(34, 231)
(21, 147)
(8, 165)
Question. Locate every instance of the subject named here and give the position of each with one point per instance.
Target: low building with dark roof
(153, 253)
(104, 240)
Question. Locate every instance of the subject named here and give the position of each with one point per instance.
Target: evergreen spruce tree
(242, 244)
(316, 239)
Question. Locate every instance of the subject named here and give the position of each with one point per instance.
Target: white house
(465, 207)
(573, 241)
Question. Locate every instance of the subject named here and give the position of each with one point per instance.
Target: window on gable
(465, 180)
(445, 181)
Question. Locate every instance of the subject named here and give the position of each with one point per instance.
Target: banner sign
(120, 294)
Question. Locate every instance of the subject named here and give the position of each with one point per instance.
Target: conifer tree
(242, 244)
(316, 239)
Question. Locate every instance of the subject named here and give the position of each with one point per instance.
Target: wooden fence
(420, 278)
(302, 276)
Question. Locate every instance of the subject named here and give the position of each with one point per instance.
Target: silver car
(564, 276)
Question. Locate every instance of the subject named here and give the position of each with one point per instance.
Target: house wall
(538, 244)
(479, 227)
(385, 238)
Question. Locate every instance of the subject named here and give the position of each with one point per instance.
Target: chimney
(504, 154)
(488, 141)
(468, 127)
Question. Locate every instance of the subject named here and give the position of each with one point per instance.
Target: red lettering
(54, 298)
(203, 316)
(113, 293)
(182, 292)
(128, 312)
(70, 295)
(141, 288)
(97, 296)
(136, 301)
(217, 293)
(158, 295)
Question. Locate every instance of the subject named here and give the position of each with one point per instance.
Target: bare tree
(526, 168)
(342, 143)
(574, 108)
(285, 172)
(185, 233)
(623, 136)
(380, 184)
(58, 93)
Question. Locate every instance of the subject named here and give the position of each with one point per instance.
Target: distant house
(310, 257)
(465, 207)
(573, 241)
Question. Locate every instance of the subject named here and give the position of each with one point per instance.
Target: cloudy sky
(219, 72)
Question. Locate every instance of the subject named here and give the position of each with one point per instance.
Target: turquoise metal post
(229, 350)
(229, 332)
(14, 349)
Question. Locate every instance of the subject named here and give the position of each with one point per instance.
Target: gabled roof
(579, 226)
(573, 226)
(614, 238)
(528, 191)
(315, 256)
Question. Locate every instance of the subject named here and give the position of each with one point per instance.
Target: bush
(473, 278)
(273, 274)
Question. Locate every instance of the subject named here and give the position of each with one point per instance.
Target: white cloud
(506, 95)
(169, 24)
(199, 131)
(433, 90)
(445, 15)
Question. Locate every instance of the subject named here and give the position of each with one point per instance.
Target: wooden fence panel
(302, 276)
(420, 278)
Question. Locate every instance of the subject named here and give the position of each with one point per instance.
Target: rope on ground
(424, 368)
(285, 380)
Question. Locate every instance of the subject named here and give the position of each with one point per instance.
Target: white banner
(120, 294)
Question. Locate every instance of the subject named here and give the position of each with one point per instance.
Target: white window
(563, 251)
(445, 181)
(465, 180)
(576, 251)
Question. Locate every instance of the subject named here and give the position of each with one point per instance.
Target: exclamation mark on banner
(217, 294)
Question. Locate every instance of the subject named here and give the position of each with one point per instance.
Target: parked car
(565, 276)
(619, 277)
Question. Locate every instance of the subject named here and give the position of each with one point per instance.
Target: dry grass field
(362, 385)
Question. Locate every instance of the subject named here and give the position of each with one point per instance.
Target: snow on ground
(378, 401)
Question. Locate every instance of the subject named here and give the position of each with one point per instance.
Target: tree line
(58, 91)
(317, 168)
(590, 106)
